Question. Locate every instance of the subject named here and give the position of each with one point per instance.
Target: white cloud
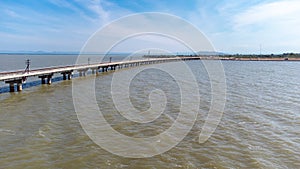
(282, 12)
(11, 13)
(105, 11)
(97, 8)
(63, 3)
(275, 25)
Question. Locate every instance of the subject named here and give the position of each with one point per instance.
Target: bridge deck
(17, 75)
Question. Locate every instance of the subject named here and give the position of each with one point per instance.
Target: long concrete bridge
(45, 74)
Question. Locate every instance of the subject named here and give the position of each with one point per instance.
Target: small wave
(8, 132)
(43, 130)
(255, 148)
(41, 133)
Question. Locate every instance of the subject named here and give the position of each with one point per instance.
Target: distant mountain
(21, 52)
(36, 52)
(213, 53)
(210, 53)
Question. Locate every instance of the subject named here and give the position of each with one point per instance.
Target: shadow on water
(36, 82)
(5, 89)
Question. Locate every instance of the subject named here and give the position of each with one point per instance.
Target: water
(259, 128)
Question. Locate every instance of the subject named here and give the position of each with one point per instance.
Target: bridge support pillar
(19, 86)
(11, 87)
(97, 70)
(43, 81)
(49, 79)
(82, 72)
(104, 69)
(64, 76)
(94, 70)
(113, 67)
(11, 83)
(69, 75)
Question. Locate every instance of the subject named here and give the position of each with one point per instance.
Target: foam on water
(7, 132)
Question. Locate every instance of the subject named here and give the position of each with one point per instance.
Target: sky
(232, 26)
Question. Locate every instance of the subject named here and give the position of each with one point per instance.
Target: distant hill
(38, 52)
(210, 53)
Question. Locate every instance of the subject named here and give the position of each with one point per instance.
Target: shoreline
(258, 59)
(229, 58)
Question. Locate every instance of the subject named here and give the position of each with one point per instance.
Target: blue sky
(232, 26)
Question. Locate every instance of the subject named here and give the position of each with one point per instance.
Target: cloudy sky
(232, 26)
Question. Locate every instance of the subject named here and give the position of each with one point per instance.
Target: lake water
(260, 127)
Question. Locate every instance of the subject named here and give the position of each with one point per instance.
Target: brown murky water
(260, 127)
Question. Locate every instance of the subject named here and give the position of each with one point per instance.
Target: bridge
(45, 74)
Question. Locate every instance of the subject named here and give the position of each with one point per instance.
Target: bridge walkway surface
(45, 74)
